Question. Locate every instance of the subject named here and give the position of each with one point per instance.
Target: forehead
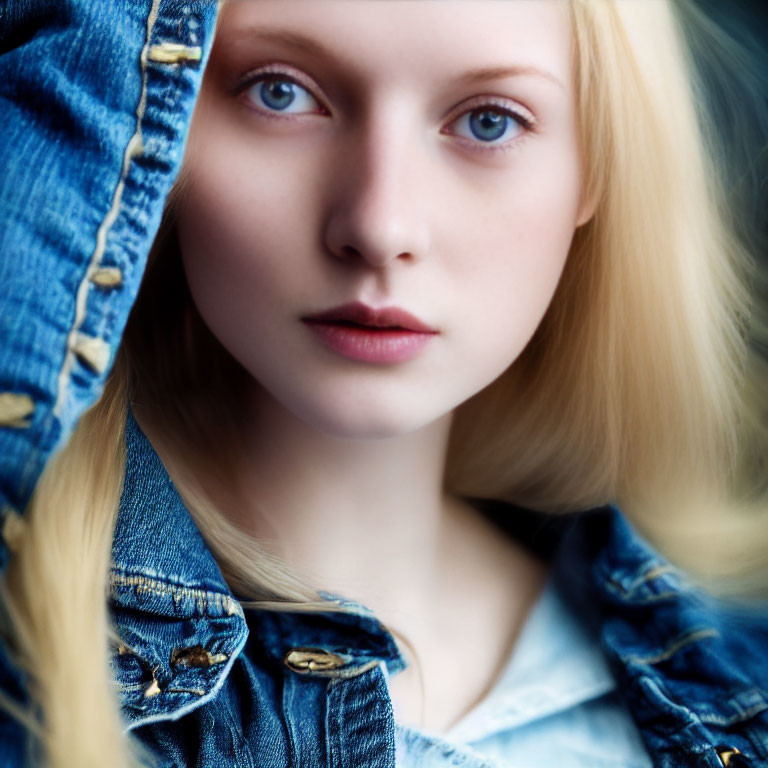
(406, 38)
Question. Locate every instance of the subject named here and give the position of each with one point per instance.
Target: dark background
(747, 22)
(741, 113)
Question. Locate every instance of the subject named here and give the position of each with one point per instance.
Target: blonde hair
(633, 389)
(654, 296)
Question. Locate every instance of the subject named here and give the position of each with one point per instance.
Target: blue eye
(490, 125)
(282, 95)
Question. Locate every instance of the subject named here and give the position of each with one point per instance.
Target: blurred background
(744, 132)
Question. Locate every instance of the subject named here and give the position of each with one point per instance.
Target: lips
(359, 332)
(359, 314)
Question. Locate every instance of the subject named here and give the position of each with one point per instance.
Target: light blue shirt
(555, 703)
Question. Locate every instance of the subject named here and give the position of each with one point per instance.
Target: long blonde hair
(636, 388)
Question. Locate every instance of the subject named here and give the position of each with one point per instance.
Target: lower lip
(384, 345)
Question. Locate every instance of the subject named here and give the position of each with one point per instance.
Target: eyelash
(526, 124)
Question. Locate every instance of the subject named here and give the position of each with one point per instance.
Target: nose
(376, 212)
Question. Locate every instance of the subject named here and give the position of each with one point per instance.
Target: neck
(369, 520)
(346, 513)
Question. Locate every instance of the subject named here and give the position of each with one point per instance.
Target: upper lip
(362, 314)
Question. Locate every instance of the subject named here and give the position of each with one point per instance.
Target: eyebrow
(497, 73)
(318, 50)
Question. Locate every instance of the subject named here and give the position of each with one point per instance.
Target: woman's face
(393, 153)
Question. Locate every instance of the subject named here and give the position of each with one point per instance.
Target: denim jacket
(86, 161)
(311, 690)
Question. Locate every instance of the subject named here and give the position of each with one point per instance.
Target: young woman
(430, 273)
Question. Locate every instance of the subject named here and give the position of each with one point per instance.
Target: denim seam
(658, 598)
(195, 703)
(342, 674)
(653, 574)
(746, 714)
(288, 723)
(134, 147)
(130, 687)
(334, 749)
(676, 645)
(758, 740)
(656, 570)
(691, 718)
(202, 596)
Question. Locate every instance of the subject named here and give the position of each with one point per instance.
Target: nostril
(351, 252)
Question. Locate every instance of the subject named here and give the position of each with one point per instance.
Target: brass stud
(15, 408)
(730, 756)
(305, 660)
(175, 53)
(91, 351)
(152, 690)
(196, 656)
(107, 277)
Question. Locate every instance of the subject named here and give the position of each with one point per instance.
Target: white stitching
(675, 646)
(205, 597)
(133, 148)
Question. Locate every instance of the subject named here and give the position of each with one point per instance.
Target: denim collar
(181, 626)
(692, 666)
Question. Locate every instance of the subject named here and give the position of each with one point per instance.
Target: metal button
(174, 53)
(196, 656)
(15, 408)
(731, 757)
(306, 660)
(107, 277)
(152, 690)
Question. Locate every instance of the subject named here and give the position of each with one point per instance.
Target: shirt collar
(556, 665)
(590, 632)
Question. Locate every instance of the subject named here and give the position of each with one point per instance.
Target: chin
(365, 420)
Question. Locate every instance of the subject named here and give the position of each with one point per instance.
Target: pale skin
(373, 187)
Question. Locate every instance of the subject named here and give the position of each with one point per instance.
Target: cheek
(517, 237)
(239, 240)
(229, 278)
(244, 196)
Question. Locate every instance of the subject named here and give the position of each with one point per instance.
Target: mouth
(359, 332)
(359, 315)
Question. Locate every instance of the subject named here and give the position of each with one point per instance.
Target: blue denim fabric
(692, 671)
(93, 130)
(203, 681)
(91, 138)
(694, 668)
